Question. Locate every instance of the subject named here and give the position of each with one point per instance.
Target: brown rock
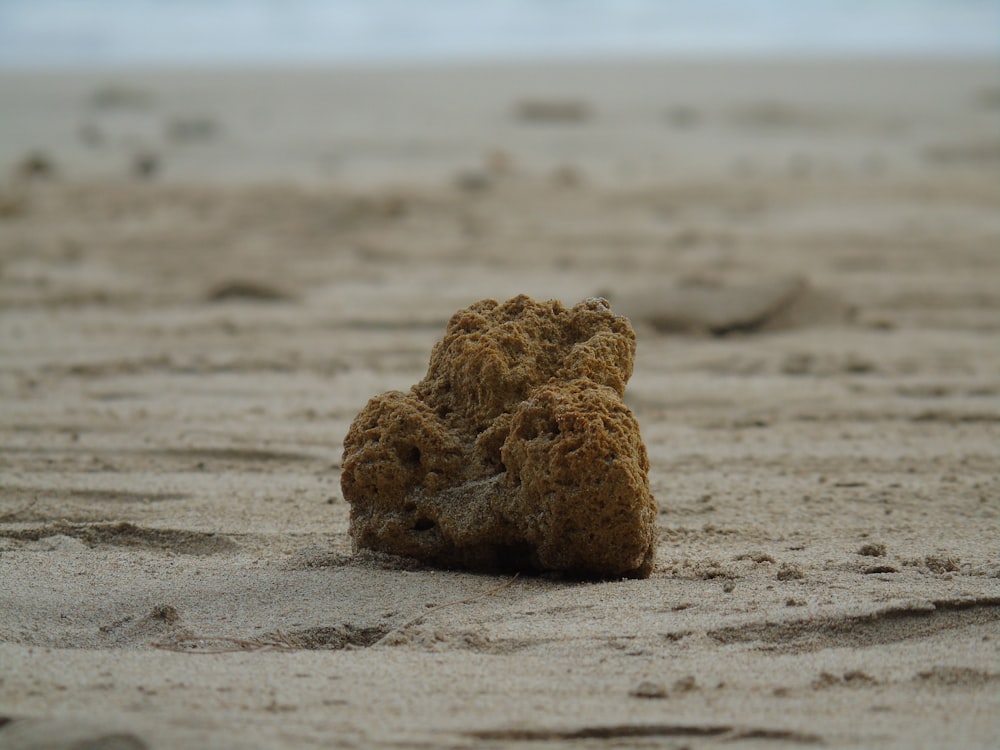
(515, 452)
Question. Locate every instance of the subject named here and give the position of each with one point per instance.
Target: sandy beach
(205, 275)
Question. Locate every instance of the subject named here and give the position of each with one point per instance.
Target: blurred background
(157, 88)
(75, 33)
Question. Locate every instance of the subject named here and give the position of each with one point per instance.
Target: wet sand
(205, 276)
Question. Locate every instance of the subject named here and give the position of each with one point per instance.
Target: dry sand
(181, 355)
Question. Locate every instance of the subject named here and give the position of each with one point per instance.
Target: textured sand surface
(181, 357)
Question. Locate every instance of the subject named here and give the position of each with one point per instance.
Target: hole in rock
(424, 524)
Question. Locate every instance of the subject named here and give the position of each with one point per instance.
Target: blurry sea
(100, 33)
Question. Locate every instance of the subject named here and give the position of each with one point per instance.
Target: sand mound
(720, 307)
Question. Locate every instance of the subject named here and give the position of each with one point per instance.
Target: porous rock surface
(515, 452)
